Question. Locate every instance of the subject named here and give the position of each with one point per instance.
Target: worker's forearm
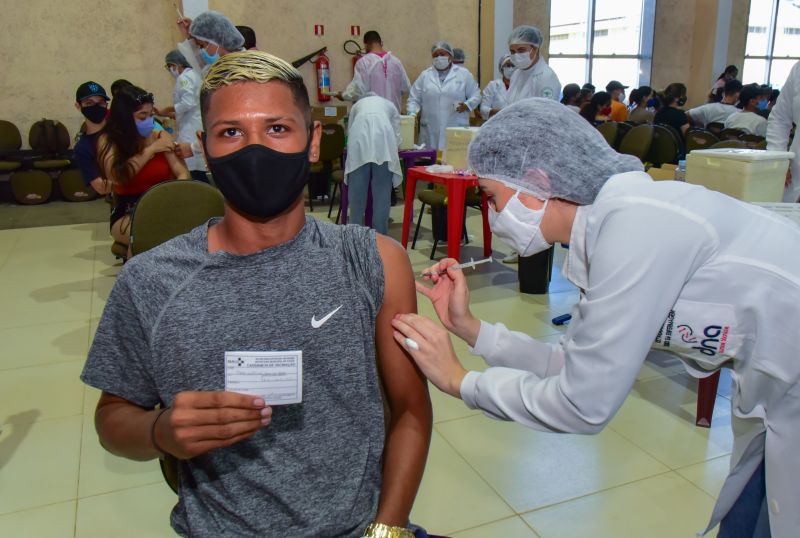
(404, 456)
(124, 430)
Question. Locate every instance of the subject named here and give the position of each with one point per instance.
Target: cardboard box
(456, 141)
(407, 127)
(752, 175)
(328, 114)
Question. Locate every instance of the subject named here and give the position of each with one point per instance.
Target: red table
(457, 186)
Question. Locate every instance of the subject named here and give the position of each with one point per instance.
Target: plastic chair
(731, 134)
(623, 128)
(170, 209)
(72, 187)
(699, 139)
(715, 127)
(10, 144)
(665, 148)
(331, 147)
(754, 141)
(729, 144)
(637, 142)
(31, 187)
(49, 138)
(609, 132)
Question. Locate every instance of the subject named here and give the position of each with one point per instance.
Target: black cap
(614, 85)
(90, 89)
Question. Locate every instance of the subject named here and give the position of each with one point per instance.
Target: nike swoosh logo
(319, 323)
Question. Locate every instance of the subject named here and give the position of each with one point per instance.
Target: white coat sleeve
(487, 100)
(357, 86)
(779, 124)
(473, 92)
(414, 102)
(500, 346)
(406, 84)
(192, 54)
(642, 259)
(187, 96)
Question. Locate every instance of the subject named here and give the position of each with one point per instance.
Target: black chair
(331, 147)
(731, 134)
(716, 128)
(699, 139)
(665, 148)
(637, 142)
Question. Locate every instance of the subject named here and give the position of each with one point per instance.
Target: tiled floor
(650, 474)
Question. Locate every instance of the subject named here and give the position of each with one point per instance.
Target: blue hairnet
(215, 27)
(442, 45)
(458, 54)
(175, 57)
(525, 35)
(540, 147)
(502, 61)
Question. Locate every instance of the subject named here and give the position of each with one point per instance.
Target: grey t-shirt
(175, 310)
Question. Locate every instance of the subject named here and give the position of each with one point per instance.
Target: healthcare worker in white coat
(533, 77)
(779, 128)
(186, 108)
(379, 71)
(445, 94)
(495, 94)
(373, 138)
(660, 265)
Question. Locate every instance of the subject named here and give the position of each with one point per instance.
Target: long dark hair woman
(597, 110)
(133, 156)
(717, 91)
(673, 97)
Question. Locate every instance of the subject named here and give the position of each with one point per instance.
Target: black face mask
(260, 181)
(682, 101)
(94, 113)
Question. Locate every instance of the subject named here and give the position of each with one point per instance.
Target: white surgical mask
(519, 227)
(508, 71)
(441, 62)
(522, 60)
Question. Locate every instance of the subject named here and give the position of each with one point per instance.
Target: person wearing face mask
(378, 71)
(660, 265)
(619, 112)
(185, 109)
(133, 156)
(748, 120)
(642, 102)
(92, 102)
(717, 111)
(571, 96)
(598, 109)
(495, 93)
(669, 113)
(187, 320)
(533, 77)
(445, 94)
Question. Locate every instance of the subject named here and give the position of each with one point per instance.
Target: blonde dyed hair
(253, 66)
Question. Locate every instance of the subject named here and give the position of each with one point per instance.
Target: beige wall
(408, 28)
(534, 13)
(48, 48)
(738, 33)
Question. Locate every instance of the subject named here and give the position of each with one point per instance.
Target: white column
(720, 62)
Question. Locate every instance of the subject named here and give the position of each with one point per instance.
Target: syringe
(471, 263)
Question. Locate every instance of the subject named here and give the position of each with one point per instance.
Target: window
(602, 40)
(773, 41)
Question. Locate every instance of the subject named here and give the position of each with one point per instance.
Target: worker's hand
(338, 95)
(432, 351)
(201, 421)
(462, 107)
(183, 26)
(162, 144)
(183, 149)
(788, 177)
(450, 298)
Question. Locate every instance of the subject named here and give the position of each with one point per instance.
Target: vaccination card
(275, 376)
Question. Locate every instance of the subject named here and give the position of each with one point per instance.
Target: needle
(471, 263)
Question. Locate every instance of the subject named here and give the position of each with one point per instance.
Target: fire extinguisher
(323, 66)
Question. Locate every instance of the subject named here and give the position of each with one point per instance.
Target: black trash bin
(535, 271)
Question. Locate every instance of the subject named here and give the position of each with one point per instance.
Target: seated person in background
(373, 136)
(671, 98)
(249, 36)
(619, 112)
(773, 98)
(748, 120)
(133, 156)
(331, 465)
(717, 91)
(717, 112)
(598, 109)
(118, 84)
(494, 94)
(642, 100)
(92, 101)
(570, 97)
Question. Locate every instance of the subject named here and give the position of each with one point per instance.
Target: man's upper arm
(404, 384)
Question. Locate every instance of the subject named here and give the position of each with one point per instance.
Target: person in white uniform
(784, 114)
(444, 94)
(378, 71)
(533, 77)
(185, 109)
(660, 265)
(495, 94)
(373, 138)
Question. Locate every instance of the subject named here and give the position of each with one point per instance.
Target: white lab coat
(186, 100)
(675, 267)
(538, 81)
(785, 112)
(495, 95)
(385, 77)
(373, 136)
(437, 101)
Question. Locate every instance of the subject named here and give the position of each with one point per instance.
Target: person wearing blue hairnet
(660, 265)
(533, 77)
(495, 94)
(445, 94)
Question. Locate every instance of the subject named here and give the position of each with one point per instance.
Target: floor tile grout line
(39, 506)
(478, 526)
(127, 488)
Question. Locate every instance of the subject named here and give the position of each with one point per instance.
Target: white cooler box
(456, 141)
(407, 125)
(751, 175)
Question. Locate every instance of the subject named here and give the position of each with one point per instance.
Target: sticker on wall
(319, 29)
(355, 30)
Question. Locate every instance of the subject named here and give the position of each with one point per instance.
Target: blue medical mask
(651, 103)
(762, 105)
(208, 58)
(145, 127)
